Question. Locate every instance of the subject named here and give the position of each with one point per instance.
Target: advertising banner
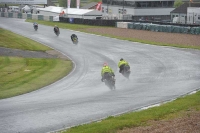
(23, 2)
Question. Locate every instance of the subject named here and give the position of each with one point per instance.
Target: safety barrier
(40, 17)
(26, 16)
(160, 28)
(96, 22)
(34, 16)
(122, 24)
(19, 15)
(15, 15)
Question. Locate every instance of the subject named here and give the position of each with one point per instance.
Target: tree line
(64, 3)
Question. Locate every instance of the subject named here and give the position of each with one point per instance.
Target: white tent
(73, 12)
(53, 9)
(82, 13)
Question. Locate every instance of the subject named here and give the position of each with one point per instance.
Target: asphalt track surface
(158, 74)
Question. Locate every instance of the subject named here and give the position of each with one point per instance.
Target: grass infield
(22, 75)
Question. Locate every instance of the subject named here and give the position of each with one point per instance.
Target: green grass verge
(77, 27)
(140, 118)
(12, 40)
(22, 75)
(83, 28)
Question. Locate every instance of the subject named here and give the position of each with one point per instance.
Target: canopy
(74, 11)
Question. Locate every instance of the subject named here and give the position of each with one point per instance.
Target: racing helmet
(105, 64)
(121, 59)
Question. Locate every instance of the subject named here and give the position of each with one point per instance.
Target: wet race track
(157, 74)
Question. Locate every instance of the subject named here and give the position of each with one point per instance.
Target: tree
(178, 3)
(62, 3)
(73, 4)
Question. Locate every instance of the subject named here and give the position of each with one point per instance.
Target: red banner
(98, 7)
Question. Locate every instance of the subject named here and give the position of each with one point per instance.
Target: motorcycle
(36, 27)
(75, 40)
(56, 31)
(109, 81)
(126, 71)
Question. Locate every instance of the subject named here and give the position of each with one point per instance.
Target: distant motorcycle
(35, 27)
(109, 81)
(126, 71)
(75, 40)
(56, 31)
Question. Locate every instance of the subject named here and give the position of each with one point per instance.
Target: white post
(77, 4)
(69, 1)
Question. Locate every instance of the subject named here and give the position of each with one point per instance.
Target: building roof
(88, 6)
(183, 7)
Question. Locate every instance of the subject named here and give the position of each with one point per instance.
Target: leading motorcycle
(126, 71)
(75, 40)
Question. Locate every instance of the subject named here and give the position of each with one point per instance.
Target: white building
(193, 15)
(189, 11)
(137, 9)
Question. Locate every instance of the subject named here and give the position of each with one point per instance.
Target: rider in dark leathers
(35, 25)
(56, 29)
(73, 36)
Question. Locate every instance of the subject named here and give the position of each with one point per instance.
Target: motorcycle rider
(121, 64)
(106, 69)
(56, 29)
(35, 24)
(73, 36)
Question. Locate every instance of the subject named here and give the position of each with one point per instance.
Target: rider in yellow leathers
(106, 69)
(121, 64)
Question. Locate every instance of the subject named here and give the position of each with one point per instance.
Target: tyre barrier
(95, 22)
(160, 28)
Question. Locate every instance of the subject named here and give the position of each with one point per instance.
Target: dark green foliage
(178, 3)
(62, 3)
